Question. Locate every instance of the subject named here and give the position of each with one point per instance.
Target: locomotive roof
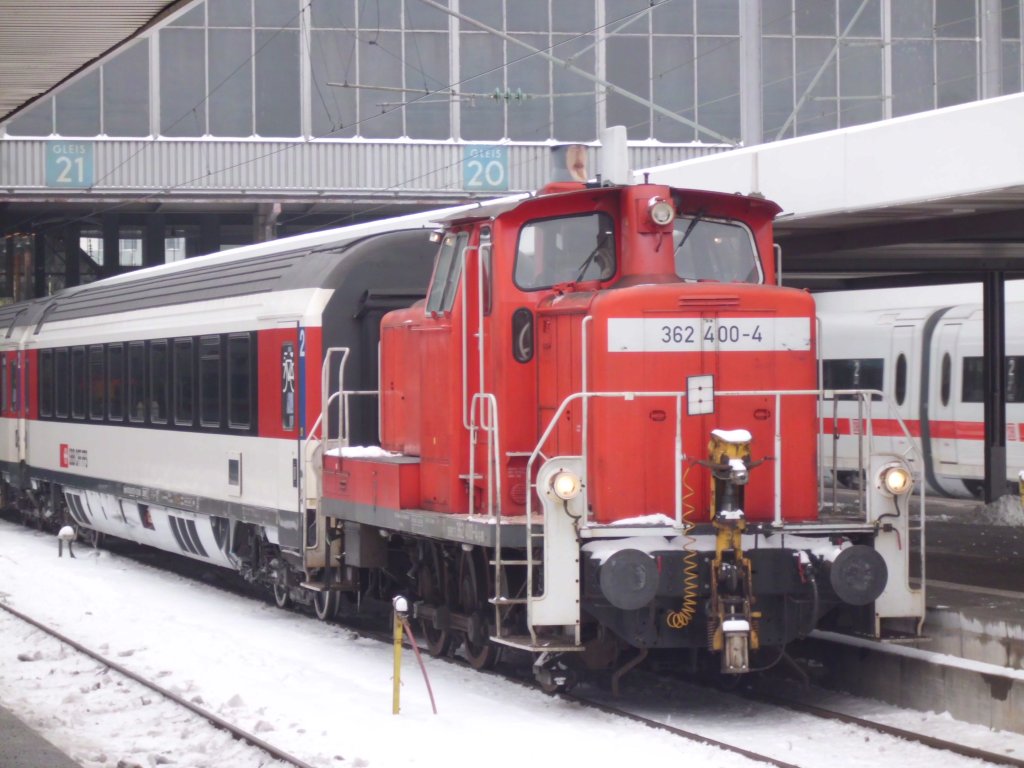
(204, 280)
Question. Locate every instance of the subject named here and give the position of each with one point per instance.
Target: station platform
(22, 747)
(970, 660)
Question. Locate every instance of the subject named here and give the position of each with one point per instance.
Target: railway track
(251, 739)
(731, 732)
(761, 708)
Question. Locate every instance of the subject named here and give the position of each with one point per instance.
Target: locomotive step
(514, 562)
(540, 645)
(507, 601)
(316, 586)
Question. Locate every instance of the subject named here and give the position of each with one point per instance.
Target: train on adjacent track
(583, 424)
(926, 363)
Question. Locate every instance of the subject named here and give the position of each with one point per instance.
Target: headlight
(661, 211)
(566, 485)
(895, 479)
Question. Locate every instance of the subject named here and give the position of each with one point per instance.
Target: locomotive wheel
(325, 604)
(480, 652)
(431, 588)
(282, 596)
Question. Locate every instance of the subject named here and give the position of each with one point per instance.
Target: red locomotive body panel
(654, 338)
(377, 482)
(422, 416)
(399, 383)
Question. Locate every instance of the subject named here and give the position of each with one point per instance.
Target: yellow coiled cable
(682, 617)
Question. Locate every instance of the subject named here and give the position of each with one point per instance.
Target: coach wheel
(478, 649)
(325, 604)
(282, 596)
(430, 583)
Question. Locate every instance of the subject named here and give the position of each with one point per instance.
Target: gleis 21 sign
(69, 164)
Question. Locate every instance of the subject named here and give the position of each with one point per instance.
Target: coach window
(137, 382)
(115, 382)
(15, 388)
(158, 368)
(97, 383)
(15, 384)
(46, 382)
(972, 385)
(1015, 379)
(184, 383)
(441, 296)
(901, 379)
(945, 384)
(26, 382)
(288, 386)
(569, 249)
(239, 382)
(856, 373)
(209, 381)
(78, 381)
(60, 377)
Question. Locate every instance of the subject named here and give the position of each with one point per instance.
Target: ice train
(926, 362)
(583, 424)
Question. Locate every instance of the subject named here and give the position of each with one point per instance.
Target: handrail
(488, 408)
(865, 396)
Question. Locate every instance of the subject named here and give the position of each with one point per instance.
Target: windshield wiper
(593, 254)
(693, 223)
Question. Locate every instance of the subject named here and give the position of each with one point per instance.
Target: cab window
(568, 249)
(447, 271)
(708, 249)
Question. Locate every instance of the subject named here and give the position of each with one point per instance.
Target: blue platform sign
(485, 168)
(69, 164)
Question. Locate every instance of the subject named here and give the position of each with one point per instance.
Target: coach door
(286, 405)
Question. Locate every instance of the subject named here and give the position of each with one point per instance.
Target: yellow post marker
(401, 607)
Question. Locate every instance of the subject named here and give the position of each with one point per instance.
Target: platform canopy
(937, 196)
(45, 42)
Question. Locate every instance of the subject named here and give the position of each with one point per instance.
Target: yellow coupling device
(731, 627)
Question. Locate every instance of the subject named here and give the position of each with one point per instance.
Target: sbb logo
(64, 459)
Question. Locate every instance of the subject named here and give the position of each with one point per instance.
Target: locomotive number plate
(695, 334)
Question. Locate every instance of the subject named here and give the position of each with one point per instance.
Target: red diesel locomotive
(599, 432)
(596, 435)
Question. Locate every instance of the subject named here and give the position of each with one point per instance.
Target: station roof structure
(45, 42)
(932, 197)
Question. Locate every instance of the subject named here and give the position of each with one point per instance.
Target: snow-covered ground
(316, 690)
